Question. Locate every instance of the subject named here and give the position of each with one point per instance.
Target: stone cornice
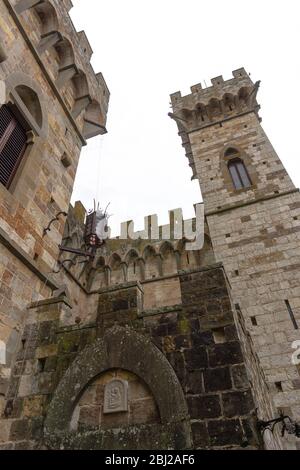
(253, 201)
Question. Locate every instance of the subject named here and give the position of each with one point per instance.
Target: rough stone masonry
(148, 345)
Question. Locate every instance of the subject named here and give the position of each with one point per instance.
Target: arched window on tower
(239, 174)
(13, 138)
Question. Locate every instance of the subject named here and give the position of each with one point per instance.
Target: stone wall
(261, 258)
(254, 230)
(62, 93)
(184, 363)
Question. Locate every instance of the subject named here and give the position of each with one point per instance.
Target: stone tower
(253, 212)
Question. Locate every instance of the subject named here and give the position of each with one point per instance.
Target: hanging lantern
(96, 228)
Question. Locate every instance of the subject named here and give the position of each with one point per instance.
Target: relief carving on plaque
(116, 396)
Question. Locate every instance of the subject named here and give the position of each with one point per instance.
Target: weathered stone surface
(239, 376)
(254, 230)
(237, 403)
(217, 379)
(223, 354)
(79, 358)
(225, 433)
(200, 433)
(207, 406)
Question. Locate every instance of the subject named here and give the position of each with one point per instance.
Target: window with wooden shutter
(12, 145)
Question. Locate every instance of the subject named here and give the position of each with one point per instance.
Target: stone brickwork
(152, 260)
(254, 230)
(149, 344)
(186, 375)
(53, 90)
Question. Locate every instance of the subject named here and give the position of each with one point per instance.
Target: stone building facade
(148, 345)
(58, 102)
(150, 360)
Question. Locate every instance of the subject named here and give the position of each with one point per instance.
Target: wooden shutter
(12, 145)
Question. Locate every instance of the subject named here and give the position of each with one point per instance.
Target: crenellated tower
(253, 212)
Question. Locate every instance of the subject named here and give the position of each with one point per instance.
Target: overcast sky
(147, 50)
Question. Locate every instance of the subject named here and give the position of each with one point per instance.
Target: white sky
(147, 50)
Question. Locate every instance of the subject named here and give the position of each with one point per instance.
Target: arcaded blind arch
(31, 101)
(13, 138)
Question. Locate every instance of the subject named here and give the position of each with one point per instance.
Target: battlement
(152, 253)
(176, 229)
(65, 55)
(223, 100)
(216, 91)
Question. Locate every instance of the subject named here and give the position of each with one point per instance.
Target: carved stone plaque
(116, 396)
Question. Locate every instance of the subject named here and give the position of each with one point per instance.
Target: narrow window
(239, 174)
(41, 365)
(12, 145)
(290, 310)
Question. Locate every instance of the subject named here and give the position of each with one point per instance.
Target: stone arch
(231, 152)
(133, 270)
(201, 112)
(169, 264)
(31, 101)
(82, 97)
(152, 269)
(64, 49)
(148, 252)
(213, 108)
(188, 259)
(229, 102)
(187, 114)
(183, 255)
(243, 97)
(24, 94)
(120, 348)
(115, 261)
(166, 247)
(180, 247)
(117, 275)
(98, 277)
(47, 16)
(81, 84)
